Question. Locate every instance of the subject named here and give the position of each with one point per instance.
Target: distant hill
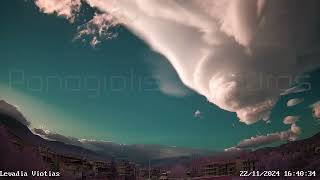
(17, 124)
(16, 128)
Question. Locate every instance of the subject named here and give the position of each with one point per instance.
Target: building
(126, 169)
(228, 168)
(249, 165)
(78, 167)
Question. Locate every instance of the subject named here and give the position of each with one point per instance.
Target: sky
(129, 87)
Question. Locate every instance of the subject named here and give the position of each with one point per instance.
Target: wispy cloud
(166, 77)
(98, 28)
(197, 114)
(293, 90)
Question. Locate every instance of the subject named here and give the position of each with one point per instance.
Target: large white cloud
(240, 54)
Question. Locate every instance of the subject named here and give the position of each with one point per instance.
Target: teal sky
(35, 47)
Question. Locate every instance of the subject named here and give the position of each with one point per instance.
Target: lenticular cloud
(239, 54)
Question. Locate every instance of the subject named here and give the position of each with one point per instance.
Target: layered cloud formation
(262, 140)
(294, 102)
(240, 54)
(290, 119)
